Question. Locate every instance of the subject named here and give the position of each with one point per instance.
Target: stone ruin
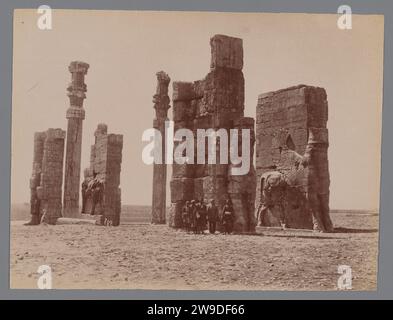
(215, 102)
(47, 176)
(75, 115)
(290, 186)
(161, 106)
(104, 174)
(292, 159)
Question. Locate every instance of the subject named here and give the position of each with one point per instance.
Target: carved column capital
(161, 99)
(77, 87)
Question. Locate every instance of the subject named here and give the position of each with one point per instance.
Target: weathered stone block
(104, 173)
(181, 189)
(175, 218)
(226, 52)
(218, 103)
(183, 110)
(218, 170)
(47, 176)
(183, 91)
(292, 138)
(183, 170)
(200, 170)
(198, 189)
(199, 89)
(214, 185)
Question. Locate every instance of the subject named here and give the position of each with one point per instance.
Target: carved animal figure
(273, 193)
(274, 186)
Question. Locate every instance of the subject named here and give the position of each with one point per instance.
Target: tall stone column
(75, 115)
(161, 105)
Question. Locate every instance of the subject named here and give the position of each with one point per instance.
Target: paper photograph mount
(195, 151)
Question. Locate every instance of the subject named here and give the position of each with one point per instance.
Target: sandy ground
(143, 256)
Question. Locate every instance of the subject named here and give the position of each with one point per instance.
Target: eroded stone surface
(101, 193)
(47, 176)
(161, 106)
(215, 102)
(291, 145)
(75, 115)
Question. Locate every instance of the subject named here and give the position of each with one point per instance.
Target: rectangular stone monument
(292, 139)
(47, 176)
(216, 102)
(103, 175)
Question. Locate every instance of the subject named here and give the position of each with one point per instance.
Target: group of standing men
(196, 215)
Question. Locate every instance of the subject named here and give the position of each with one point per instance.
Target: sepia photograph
(179, 150)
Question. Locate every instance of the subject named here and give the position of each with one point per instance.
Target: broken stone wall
(47, 176)
(105, 167)
(292, 138)
(215, 102)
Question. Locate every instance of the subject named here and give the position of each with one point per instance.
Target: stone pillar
(35, 180)
(216, 102)
(104, 172)
(47, 176)
(182, 184)
(292, 139)
(52, 175)
(75, 115)
(161, 106)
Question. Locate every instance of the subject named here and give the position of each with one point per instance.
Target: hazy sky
(126, 48)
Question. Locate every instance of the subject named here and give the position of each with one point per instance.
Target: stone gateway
(216, 102)
(292, 160)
